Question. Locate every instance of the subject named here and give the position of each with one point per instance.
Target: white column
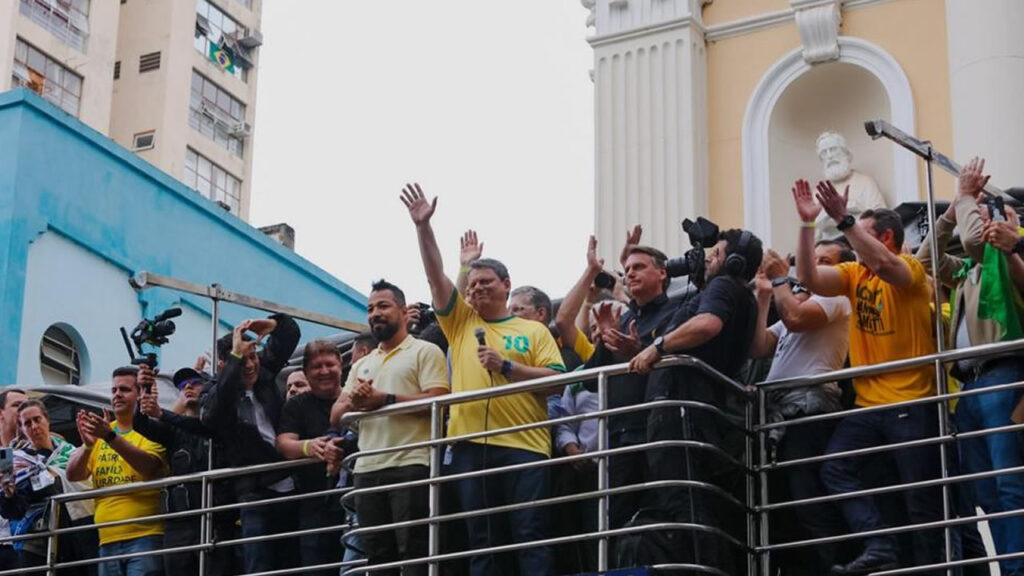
(986, 65)
(650, 112)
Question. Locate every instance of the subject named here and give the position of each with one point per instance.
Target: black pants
(379, 508)
(180, 532)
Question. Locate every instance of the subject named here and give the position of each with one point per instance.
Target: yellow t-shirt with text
(108, 469)
(522, 341)
(889, 323)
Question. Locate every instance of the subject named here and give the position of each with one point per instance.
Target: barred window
(217, 115)
(46, 77)
(212, 24)
(212, 181)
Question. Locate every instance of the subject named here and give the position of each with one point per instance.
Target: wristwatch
(389, 399)
(780, 281)
(1018, 248)
(659, 345)
(506, 368)
(846, 222)
(110, 436)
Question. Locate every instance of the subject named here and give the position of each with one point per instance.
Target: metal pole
(748, 461)
(602, 473)
(940, 346)
(762, 415)
(434, 528)
(215, 315)
(204, 526)
(51, 542)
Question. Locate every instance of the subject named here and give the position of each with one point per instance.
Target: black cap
(183, 376)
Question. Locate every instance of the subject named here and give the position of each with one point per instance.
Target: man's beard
(383, 331)
(838, 171)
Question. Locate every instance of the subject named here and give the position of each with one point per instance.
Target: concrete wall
(76, 234)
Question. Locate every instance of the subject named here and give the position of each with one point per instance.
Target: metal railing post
(940, 346)
(748, 461)
(51, 541)
(215, 316)
(204, 525)
(602, 473)
(434, 490)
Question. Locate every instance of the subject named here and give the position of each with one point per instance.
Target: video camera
(703, 234)
(154, 332)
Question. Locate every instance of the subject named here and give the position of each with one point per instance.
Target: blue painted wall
(59, 176)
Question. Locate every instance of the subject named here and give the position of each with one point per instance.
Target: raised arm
(824, 280)
(565, 320)
(798, 316)
(145, 463)
(871, 251)
(78, 464)
(470, 249)
(441, 287)
(764, 339)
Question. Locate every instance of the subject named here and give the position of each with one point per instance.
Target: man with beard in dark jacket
(244, 409)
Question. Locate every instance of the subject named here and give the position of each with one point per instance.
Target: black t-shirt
(733, 303)
(308, 416)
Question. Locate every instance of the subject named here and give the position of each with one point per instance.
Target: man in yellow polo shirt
(890, 296)
(513, 350)
(116, 455)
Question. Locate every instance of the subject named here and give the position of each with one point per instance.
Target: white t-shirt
(815, 352)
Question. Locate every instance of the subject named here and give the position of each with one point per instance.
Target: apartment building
(172, 80)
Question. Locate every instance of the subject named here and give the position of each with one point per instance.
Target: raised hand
(593, 262)
(806, 207)
(262, 326)
(972, 181)
(632, 239)
(1002, 235)
(830, 200)
(607, 317)
(470, 248)
(762, 285)
(774, 266)
(239, 345)
(419, 209)
(624, 344)
(84, 430)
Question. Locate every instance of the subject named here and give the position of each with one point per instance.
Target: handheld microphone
(479, 332)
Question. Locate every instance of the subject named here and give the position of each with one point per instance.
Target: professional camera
(427, 317)
(703, 234)
(153, 332)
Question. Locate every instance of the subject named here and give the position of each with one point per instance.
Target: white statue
(864, 194)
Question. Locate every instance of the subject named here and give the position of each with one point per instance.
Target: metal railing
(436, 405)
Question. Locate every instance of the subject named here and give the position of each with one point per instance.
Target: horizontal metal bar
(555, 541)
(894, 366)
(690, 567)
(143, 280)
(300, 569)
(893, 488)
(544, 424)
(552, 501)
(954, 564)
(895, 530)
(540, 384)
(931, 399)
(947, 439)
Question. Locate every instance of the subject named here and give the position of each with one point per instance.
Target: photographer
(187, 443)
(40, 473)
(717, 327)
(244, 409)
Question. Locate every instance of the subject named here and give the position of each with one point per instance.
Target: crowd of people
(749, 314)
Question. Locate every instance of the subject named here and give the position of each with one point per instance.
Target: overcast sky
(486, 104)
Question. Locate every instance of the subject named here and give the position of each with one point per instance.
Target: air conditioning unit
(241, 129)
(253, 40)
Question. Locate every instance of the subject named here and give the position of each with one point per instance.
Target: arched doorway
(788, 85)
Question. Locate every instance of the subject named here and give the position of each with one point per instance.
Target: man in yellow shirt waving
(889, 294)
(513, 349)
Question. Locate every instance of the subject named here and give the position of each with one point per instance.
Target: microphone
(480, 336)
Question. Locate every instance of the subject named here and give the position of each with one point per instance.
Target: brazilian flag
(222, 56)
(1000, 301)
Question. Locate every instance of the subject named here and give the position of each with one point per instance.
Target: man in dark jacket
(187, 442)
(244, 409)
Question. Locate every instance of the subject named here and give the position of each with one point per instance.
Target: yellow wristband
(464, 270)
(305, 447)
(809, 224)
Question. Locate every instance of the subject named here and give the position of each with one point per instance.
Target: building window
(246, 3)
(117, 70)
(59, 357)
(217, 115)
(46, 77)
(212, 181)
(144, 141)
(212, 24)
(68, 20)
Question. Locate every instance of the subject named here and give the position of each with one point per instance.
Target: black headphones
(736, 262)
